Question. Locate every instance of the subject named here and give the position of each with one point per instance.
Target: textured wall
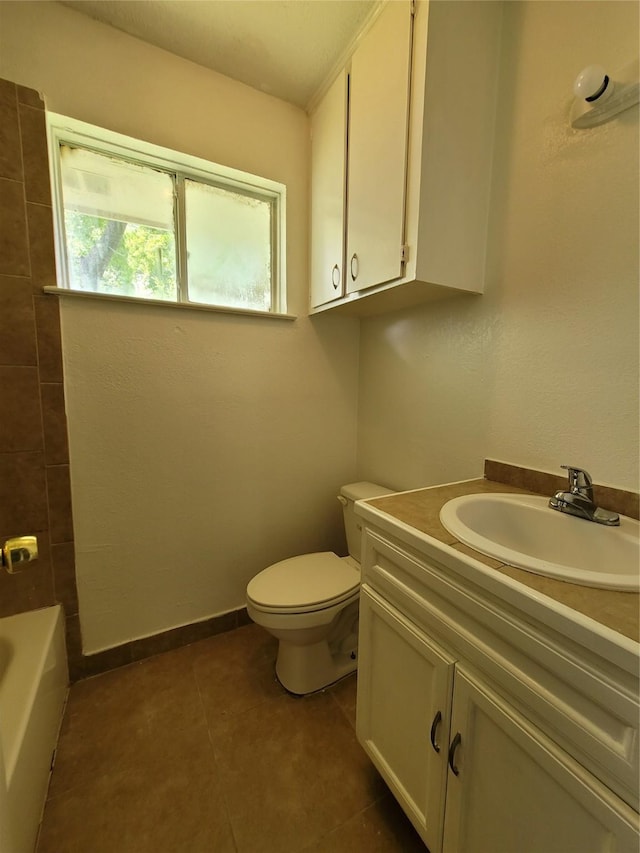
(543, 368)
(34, 458)
(202, 446)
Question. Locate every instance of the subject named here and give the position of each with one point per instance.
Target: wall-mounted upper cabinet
(420, 104)
(378, 124)
(359, 159)
(328, 182)
(359, 152)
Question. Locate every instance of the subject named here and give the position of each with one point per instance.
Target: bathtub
(33, 689)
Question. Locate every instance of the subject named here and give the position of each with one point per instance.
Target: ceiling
(286, 48)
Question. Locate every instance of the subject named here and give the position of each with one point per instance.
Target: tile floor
(201, 750)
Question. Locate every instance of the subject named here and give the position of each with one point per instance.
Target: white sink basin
(523, 531)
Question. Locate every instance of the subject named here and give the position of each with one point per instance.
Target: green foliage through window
(110, 256)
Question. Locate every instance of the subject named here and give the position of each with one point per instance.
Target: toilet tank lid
(362, 491)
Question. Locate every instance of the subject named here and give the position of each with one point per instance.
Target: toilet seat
(303, 584)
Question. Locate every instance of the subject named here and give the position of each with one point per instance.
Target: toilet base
(305, 669)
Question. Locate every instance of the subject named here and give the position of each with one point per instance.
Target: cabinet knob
(354, 267)
(455, 743)
(335, 276)
(434, 725)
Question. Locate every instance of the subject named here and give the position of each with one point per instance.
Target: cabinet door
(517, 791)
(404, 696)
(328, 178)
(378, 125)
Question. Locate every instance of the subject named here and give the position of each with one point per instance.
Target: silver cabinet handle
(335, 276)
(354, 265)
(434, 725)
(455, 743)
(22, 549)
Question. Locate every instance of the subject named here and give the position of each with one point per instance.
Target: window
(140, 221)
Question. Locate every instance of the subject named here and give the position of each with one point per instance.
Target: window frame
(62, 130)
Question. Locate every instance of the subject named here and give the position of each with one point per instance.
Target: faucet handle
(580, 481)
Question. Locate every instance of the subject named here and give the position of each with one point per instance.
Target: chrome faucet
(578, 500)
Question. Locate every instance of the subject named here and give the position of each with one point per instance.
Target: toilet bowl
(310, 604)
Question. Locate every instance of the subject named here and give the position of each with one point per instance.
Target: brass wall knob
(21, 549)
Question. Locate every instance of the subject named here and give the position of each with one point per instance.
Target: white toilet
(310, 603)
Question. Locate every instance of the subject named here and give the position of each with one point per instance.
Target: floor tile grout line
(386, 794)
(220, 778)
(339, 704)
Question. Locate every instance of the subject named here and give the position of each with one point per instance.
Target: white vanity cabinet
(495, 731)
(405, 681)
(421, 105)
(510, 788)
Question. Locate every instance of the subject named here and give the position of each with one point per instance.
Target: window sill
(188, 306)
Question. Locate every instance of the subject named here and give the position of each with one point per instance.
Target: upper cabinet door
(378, 127)
(328, 179)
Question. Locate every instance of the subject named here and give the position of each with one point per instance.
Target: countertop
(420, 509)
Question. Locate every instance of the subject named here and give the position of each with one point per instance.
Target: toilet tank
(348, 495)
